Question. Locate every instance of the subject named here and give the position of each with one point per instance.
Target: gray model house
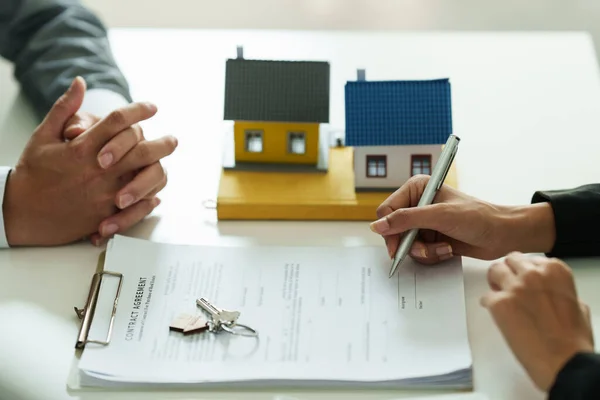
(277, 108)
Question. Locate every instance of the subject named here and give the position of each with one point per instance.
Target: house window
(420, 164)
(377, 166)
(254, 141)
(296, 142)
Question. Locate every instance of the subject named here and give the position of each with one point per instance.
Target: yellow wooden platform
(245, 195)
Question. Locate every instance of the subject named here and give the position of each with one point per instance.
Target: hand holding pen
(440, 171)
(457, 224)
(396, 205)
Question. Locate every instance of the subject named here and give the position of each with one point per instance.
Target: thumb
(63, 109)
(436, 217)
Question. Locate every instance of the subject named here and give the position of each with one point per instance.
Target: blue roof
(386, 113)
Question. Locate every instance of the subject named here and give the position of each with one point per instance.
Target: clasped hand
(80, 176)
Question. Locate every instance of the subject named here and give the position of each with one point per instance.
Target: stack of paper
(326, 317)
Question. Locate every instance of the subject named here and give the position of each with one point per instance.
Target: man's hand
(535, 305)
(142, 185)
(457, 224)
(58, 192)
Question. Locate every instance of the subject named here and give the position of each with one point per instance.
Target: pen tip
(392, 269)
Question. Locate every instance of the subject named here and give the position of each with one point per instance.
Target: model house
(396, 129)
(277, 108)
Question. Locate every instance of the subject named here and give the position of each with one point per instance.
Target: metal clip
(86, 314)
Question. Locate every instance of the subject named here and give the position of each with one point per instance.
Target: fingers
(585, 309)
(437, 217)
(490, 299)
(127, 218)
(120, 145)
(422, 252)
(396, 213)
(97, 240)
(391, 243)
(500, 276)
(519, 263)
(516, 269)
(63, 109)
(146, 153)
(406, 196)
(79, 123)
(431, 253)
(150, 180)
(116, 122)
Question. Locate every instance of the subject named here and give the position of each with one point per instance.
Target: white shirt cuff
(100, 102)
(4, 171)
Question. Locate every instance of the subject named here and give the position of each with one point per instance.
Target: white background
(354, 14)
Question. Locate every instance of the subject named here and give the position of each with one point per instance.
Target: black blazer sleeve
(579, 379)
(577, 219)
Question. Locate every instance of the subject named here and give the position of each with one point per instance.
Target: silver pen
(435, 183)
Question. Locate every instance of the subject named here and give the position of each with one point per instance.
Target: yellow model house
(276, 142)
(277, 108)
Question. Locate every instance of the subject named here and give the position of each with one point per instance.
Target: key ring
(246, 330)
(226, 320)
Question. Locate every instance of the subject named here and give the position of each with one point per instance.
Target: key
(219, 316)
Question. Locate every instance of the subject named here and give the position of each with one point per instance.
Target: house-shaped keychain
(396, 128)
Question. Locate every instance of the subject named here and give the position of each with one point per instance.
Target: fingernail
(105, 160)
(98, 242)
(446, 257)
(155, 202)
(125, 200)
(72, 84)
(391, 253)
(110, 229)
(74, 81)
(418, 252)
(443, 250)
(151, 106)
(380, 226)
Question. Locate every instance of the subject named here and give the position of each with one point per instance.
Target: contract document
(325, 317)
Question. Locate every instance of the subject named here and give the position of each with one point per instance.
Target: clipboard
(86, 314)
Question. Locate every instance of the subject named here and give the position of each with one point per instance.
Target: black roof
(283, 91)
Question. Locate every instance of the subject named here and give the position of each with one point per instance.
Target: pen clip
(441, 182)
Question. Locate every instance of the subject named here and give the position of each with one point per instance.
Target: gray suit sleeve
(51, 42)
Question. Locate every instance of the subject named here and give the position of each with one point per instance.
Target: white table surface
(527, 107)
